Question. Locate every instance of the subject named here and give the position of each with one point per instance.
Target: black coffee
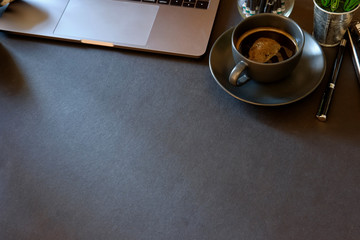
(267, 45)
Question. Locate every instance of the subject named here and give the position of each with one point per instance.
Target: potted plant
(331, 20)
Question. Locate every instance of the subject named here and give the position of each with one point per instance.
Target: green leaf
(334, 5)
(325, 3)
(351, 4)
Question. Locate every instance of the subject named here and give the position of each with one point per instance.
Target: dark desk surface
(97, 143)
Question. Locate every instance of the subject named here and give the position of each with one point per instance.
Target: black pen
(268, 6)
(262, 6)
(252, 7)
(326, 99)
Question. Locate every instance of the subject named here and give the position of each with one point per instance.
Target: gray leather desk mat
(97, 143)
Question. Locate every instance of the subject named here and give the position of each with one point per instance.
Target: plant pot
(330, 27)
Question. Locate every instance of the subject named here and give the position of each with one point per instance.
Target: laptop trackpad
(108, 21)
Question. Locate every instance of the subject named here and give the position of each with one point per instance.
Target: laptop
(176, 27)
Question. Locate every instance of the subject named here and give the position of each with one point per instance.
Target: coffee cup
(266, 48)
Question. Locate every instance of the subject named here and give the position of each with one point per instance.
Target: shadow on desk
(11, 80)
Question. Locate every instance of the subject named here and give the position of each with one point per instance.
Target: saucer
(305, 78)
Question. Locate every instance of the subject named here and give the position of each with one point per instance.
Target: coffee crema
(267, 45)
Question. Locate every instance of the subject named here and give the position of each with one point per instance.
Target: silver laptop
(177, 27)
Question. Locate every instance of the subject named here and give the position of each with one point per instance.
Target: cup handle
(237, 76)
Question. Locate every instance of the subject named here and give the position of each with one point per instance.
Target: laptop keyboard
(201, 4)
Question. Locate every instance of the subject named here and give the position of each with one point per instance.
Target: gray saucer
(304, 80)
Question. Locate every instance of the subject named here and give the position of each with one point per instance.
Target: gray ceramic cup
(246, 69)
